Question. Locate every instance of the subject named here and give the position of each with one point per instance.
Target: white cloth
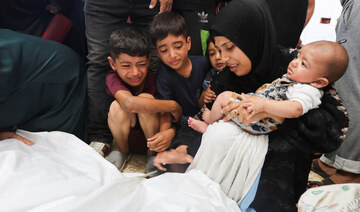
(308, 96)
(62, 173)
(331, 198)
(231, 157)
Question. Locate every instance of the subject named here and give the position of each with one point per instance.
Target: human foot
(206, 115)
(171, 157)
(197, 125)
(341, 177)
(322, 169)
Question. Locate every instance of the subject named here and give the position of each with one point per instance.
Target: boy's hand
(176, 113)
(165, 5)
(254, 105)
(161, 140)
(7, 135)
(209, 95)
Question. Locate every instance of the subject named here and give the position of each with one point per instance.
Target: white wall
(315, 30)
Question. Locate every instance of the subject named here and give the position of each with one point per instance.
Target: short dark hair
(128, 40)
(167, 23)
(209, 40)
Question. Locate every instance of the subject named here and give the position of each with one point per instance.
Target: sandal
(326, 181)
(315, 167)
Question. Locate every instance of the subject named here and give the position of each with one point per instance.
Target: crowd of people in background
(141, 77)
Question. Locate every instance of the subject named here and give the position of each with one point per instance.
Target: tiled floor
(136, 164)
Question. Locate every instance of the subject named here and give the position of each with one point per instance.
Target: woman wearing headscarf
(244, 31)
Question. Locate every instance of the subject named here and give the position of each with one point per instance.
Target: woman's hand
(235, 109)
(8, 135)
(209, 95)
(161, 140)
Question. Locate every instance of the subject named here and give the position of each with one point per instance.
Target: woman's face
(215, 58)
(232, 55)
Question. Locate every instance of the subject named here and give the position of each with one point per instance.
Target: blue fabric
(245, 203)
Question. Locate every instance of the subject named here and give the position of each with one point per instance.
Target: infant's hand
(7, 135)
(254, 105)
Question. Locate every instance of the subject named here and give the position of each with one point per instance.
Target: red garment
(136, 140)
(114, 84)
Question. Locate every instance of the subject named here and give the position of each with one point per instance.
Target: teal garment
(42, 85)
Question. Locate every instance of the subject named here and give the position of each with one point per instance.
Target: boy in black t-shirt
(179, 78)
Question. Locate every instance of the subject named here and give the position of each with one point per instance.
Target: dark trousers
(196, 20)
(101, 19)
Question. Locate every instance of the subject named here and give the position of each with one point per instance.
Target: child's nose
(172, 53)
(217, 56)
(294, 63)
(135, 70)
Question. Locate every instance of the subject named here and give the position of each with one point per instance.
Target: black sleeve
(291, 147)
(320, 130)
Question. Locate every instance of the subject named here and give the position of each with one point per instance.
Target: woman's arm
(8, 135)
(243, 114)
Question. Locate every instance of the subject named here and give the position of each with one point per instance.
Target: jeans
(101, 19)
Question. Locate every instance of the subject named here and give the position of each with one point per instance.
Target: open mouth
(135, 79)
(233, 67)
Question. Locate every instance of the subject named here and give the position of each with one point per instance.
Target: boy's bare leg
(174, 156)
(120, 122)
(149, 123)
(197, 125)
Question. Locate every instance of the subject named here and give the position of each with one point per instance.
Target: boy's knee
(115, 111)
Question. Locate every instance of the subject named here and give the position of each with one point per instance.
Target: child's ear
(320, 82)
(112, 63)
(188, 43)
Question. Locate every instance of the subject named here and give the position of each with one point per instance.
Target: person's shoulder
(198, 58)
(200, 61)
(163, 69)
(150, 76)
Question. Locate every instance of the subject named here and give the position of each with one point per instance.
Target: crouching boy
(134, 116)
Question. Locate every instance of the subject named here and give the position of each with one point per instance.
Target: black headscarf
(248, 24)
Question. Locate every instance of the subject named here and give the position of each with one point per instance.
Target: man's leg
(141, 17)
(346, 159)
(101, 19)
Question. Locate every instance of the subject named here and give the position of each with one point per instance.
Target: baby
(298, 91)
